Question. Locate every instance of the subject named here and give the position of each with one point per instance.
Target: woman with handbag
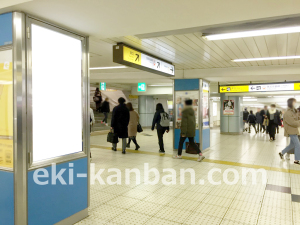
(98, 99)
(132, 126)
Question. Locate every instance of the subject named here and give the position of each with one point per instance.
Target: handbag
(139, 128)
(112, 137)
(191, 149)
(96, 99)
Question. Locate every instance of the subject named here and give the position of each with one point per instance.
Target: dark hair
(251, 112)
(129, 106)
(159, 107)
(189, 102)
(290, 102)
(121, 100)
(97, 89)
(273, 105)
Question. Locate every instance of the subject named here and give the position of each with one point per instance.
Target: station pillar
(231, 119)
(198, 91)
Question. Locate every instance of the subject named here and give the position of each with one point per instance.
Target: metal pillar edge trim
(20, 135)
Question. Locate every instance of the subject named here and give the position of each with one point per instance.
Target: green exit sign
(103, 86)
(142, 87)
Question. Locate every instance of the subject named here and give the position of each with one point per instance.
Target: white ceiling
(174, 33)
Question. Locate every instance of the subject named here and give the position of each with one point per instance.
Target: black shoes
(162, 151)
(123, 152)
(137, 147)
(280, 155)
(128, 146)
(114, 149)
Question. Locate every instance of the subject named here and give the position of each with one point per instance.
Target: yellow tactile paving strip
(208, 160)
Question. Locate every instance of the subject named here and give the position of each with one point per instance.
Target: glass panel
(6, 109)
(56, 94)
(205, 105)
(180, 97)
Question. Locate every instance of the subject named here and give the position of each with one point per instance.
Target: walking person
(119, 123)
(263, 113)
(98, 99)
(273, 116)
(105, 110)
(252, 121)
(245, 118)
(188, 130)
(132, 127)
(162, 125)
(259, 121)
(291, 124)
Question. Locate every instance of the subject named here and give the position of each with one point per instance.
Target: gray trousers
(123, 144)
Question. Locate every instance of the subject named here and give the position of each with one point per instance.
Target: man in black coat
(263, 113)
(245, 117)
(252, 121)
(119, 123)
(259, 120)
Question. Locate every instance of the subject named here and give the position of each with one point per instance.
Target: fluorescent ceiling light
(247, 97)
(250, 100)
(253, 33)
(107, 68)
(266, 58)
(160, 85)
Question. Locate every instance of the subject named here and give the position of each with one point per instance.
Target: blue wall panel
(49, 204)
(186, 84)
(206, 138)
(6, 198)
(177, 137)
(5, 29)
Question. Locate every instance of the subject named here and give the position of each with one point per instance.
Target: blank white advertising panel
(56, 94)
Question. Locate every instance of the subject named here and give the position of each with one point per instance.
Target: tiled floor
(262, 204)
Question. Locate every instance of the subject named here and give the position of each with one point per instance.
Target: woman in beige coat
(291, 124)
(132, 127)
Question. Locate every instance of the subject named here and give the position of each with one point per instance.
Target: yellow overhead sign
(132, 56)
(234, 89)
(296, 86)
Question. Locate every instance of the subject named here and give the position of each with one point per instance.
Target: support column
(232, 122)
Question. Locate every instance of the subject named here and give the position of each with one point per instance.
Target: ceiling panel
(281, 40)
(253, 49)
(292, 45)
(191, 51)
(237, 51)
(272, 48)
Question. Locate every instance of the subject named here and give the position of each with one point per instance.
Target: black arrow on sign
(158, 65)
(223, 89)
(137, 57)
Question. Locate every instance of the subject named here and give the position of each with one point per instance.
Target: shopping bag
(191, 149)
(112, 137)
(139, 128)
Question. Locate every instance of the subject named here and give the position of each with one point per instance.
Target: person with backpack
(188, 130)
(162, 122)
(98, 99)
(105, 109)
